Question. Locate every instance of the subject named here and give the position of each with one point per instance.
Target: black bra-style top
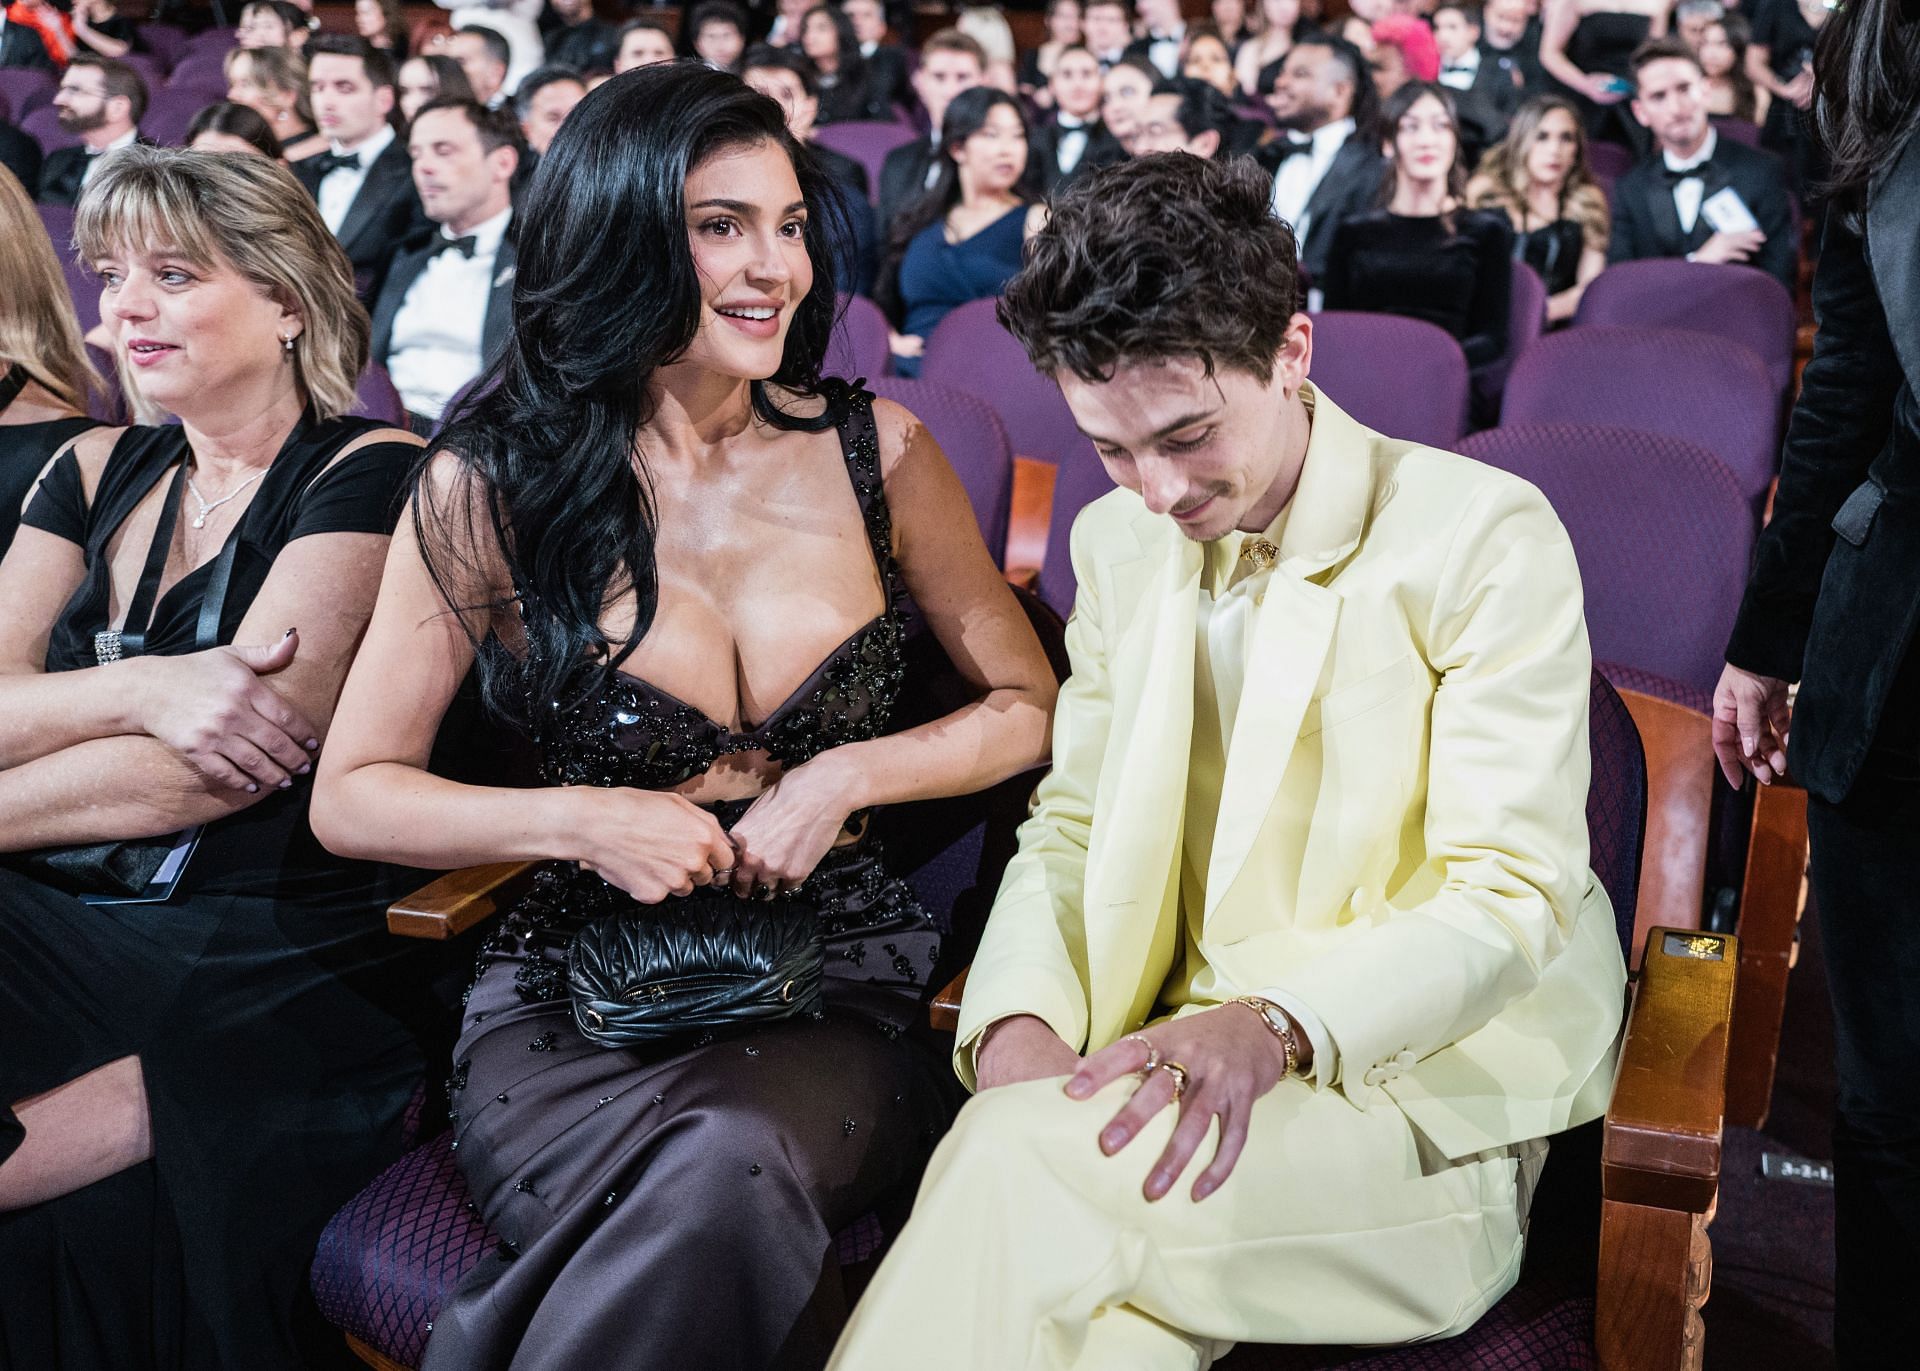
(624, 731)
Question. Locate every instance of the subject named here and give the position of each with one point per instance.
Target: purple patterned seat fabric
(1405, 378)
(1743, 304)
(867, 142)
(975, 443)
(1713, 393)
(22, 91)
(858, 347)
(1662, 530)
(1079, 483)
(375, 398)
(970, 351)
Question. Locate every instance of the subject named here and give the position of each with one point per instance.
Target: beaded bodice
(623, 731)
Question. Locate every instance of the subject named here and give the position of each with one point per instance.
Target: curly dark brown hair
(1169, 255)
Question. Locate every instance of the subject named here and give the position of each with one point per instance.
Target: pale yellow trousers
(1030, 1250)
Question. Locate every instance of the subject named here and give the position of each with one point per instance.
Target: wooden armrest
(1662, 1134)
(1029, 515)
(457, 901)
(944, 1012)
(1680, 780)
(1772, 896)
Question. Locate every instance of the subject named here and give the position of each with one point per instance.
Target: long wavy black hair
(1866, 104)
(550, 437)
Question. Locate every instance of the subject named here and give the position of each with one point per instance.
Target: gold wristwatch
(1277, 1024)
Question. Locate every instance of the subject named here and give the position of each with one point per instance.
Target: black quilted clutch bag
(694, 965)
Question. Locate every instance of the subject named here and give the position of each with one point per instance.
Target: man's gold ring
(1153, 1056)
(1179, 1074)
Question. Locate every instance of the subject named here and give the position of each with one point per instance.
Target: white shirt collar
(486, 234)
(1329, 137)
(1466, 61)
(125, 140)
(369, 147)
(1699, 158)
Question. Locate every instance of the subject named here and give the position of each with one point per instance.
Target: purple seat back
(82, 284)
(1402, 377)
(970, 351)
(166, 42)
(172, 110)
(1740, 303)
(975, 442)
(859, 343)
(202, 71)
(1080, 481)
(1711, 392)
(1608, 162)
(867, 142)
(1526, 322)
(217, 42)
(24, 91)
(149, 68)
(1739, 130)
(375, 397)
(1662, 532)
(58, 221)
(43, 126)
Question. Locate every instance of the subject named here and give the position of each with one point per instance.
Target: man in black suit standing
(103, 101)
(444, 309)
(1164, 37)
(950, 62)
(1072, 141)
(1700, 196)
(886, 64)
(22, 47)
(1327, 166)
(363, 182)
(1485, 92)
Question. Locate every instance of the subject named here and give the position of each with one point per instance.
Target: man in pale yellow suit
(1311, 863)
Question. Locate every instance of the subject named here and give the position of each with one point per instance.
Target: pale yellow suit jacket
(1412, 738)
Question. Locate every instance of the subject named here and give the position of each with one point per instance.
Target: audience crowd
(364, 209)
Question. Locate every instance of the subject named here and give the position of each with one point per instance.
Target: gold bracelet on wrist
(1277, 1023)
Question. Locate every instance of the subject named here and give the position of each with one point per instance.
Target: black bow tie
(1290, 147)
(1459, 67)
(1696, 172)
(1068, 124)
(330, 162)
(463, 246)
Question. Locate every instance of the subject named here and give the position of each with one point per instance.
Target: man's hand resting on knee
(1022, 1048)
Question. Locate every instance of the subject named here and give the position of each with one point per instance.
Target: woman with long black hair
(1832, 603)
(681, 558)
(962, 239)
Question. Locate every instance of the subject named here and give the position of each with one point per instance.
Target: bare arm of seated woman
(374, 797)
(149, 745)
(981, 626)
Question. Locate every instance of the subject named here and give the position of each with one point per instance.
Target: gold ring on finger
(1180, 1077)
(1153, 1055)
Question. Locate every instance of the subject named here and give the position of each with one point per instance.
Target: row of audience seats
(183, 75)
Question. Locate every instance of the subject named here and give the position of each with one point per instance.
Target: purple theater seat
(1661, 529)
(970, 351)
(1739, 130)
(83, 285)
(975, 442)
(375, 397)
(866, 141)
(859, 343)
(24, 91)
(217, 42)
(1742, 304)
(43, 126)
(1709, 391)
(1402, 377)
(201, 71)
(1081, 481)
(149, 68)
(1608, 162)
(167, 42)
(58, 221)
(172, 111)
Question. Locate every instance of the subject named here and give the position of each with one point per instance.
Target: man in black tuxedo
(20, 155)
(1700, 196)
(579, 40)
(1485, 92)
(445, 306)
(1510, 35)
(1326, 166)
(1165, 35)
(950, 62)
(22, 47)
(1072, 141)
(363, 182)
(1106, 27)
(785, 76)
(103, 101)
(886, 64)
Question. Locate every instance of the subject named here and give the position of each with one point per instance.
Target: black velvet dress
(279, 1026)
(676, 1206)
(1456, 276)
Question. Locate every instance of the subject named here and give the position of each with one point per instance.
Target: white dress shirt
(339, 186)
(1300, 175)
(125, 140)
(1163, 50)
(435, 348)
(1461, 72)
(1687, 194)
(1073, 143)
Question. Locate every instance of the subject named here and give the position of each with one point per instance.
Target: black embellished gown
(281, 1029)
(676, 1206)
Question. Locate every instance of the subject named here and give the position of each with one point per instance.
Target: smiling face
(190, 329)
(1212, 453)
(993, 157)
(1075, 83)
(746, 224)
(1553, 149)
(1505, 21)
(1312, 90)
(1424, 143)
(347, 106)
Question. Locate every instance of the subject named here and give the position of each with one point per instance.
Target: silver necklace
(206, 507)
